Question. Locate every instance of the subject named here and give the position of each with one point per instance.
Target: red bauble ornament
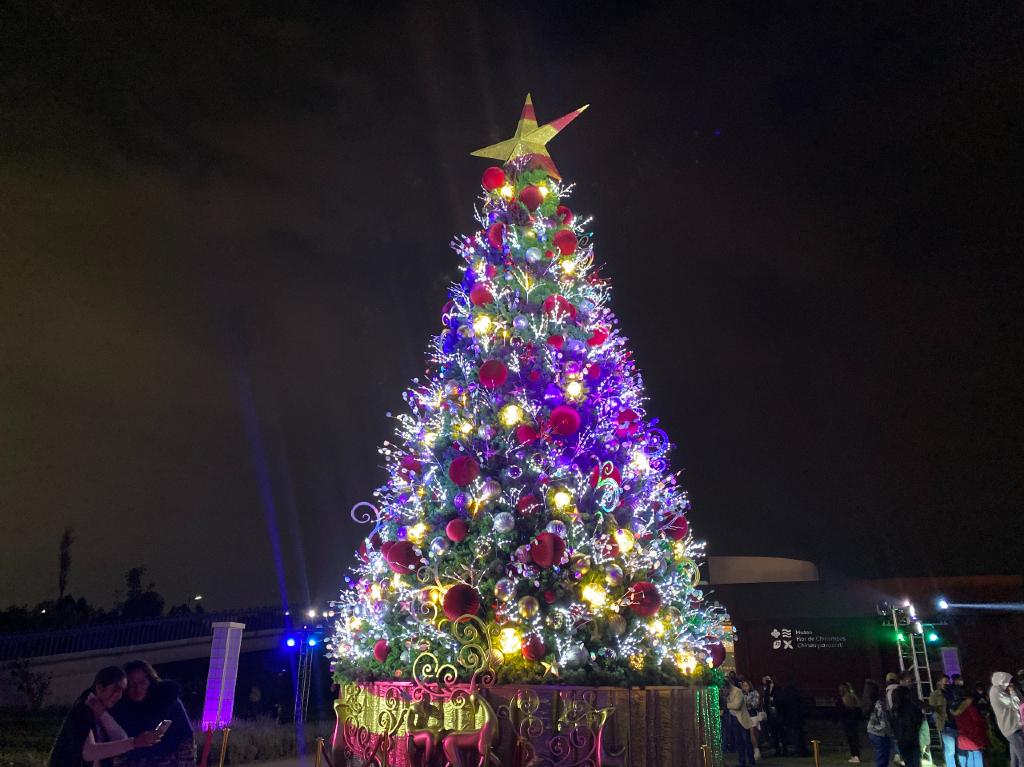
(534, 648)
(531, 197)
(526, 433)
(496, 235)
(628, 423)
(556, 341)
(598, 337)
(460, 600)
(559, 304)
(594, 372)
(676, 527)
(645, 599)
(493, 178)
(361, 552)
(547, 550)
(381, 650)
(549, 596)
(564, 214)
(493, 374)
(600, 472)
(565, 241)
(456, 530)
(463, 470)
(385, 548)
(565, 421)
(491, 271)
(716, 653)
(528, 504)
(402, 558)
(410, 464)
(480, 295)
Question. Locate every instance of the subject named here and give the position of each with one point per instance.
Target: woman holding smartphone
(89, 733)
(152, 703)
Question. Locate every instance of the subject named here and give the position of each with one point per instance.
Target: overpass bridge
(71, 657)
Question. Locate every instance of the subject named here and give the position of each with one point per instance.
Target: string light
(509, 641)
(595, 594)
(562, 499)
(625, 540)
(510, 415)
(482, 325)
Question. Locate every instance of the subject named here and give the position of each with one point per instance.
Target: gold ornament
(529, 140)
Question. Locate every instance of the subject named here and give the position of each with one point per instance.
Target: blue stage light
(290, 641)
(312, 642)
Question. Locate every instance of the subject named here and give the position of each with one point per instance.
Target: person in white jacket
(1005, 700)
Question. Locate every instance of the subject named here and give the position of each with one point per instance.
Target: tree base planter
(401, 724)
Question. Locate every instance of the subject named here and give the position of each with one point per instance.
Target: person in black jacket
(907, 718)
(790, 711)
(89, 733)
(150, 700)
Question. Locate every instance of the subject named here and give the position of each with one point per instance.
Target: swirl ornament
(474, 660)
(364, 517)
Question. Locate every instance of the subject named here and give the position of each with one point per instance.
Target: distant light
(906, 603)
(290, 641)
(933, 637)
(311, 613)
(311, 642)
(942, 603)
(325, 614)
(43, 611)
(197, 597)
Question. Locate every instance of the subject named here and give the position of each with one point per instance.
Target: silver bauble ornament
(520, 323)
(580, 565)
(575, 656)
(491, 489)
(613, 575)
(528, 606)
(439, 546)
(557, 527)
(504, 522)
(504, 589)
(534, 255)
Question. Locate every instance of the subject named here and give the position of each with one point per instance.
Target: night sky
(223, 245)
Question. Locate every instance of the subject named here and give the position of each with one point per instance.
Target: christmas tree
(530, 527)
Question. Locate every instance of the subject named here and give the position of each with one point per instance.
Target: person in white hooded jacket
(1006, 708)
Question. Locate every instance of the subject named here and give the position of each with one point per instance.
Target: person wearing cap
(1006, 705)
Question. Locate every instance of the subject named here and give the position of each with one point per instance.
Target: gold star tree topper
(530, 140)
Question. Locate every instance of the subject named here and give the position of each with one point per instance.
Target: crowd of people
(969, 719)
(129, 717)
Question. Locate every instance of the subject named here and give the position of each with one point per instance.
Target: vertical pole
(816, 744)
(705, 752)
(207, 741)
(319, 752)
(224, 747)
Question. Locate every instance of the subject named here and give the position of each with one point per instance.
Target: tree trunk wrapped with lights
(529, 588)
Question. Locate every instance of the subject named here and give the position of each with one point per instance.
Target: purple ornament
(459, 501)
(552, 395)
(520, 323)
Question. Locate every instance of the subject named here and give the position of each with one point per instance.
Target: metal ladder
(913, 657)
(302, 674)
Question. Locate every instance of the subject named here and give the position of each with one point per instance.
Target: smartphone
(163, 727)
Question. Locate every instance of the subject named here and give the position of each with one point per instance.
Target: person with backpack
(848, 711)
(878, 726)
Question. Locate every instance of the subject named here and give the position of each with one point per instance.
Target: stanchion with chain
(816, 744)
(224, 747)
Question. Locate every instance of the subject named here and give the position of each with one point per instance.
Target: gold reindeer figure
(478, 741)
(420, 734)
